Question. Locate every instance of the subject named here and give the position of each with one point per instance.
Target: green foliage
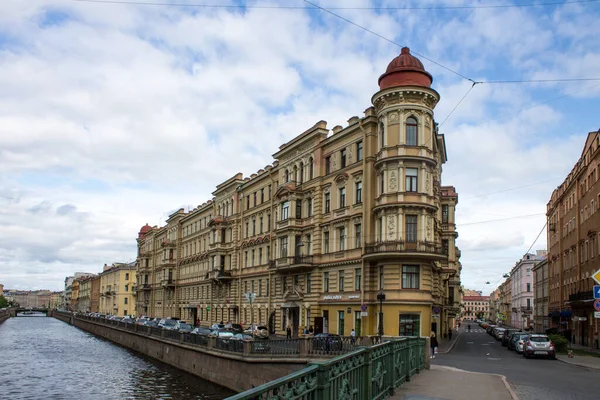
(560, 343)
(3, 302)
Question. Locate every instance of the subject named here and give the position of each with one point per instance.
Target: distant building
(469, 292)
(574, 247)
(476, 307)
(522, 290)
(55, 300)
(494, 306)
(116, 284)
(540, 300)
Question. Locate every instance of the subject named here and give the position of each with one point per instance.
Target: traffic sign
(597, 304)
(436, 310)
(363, 307)
(597, 291)
(596, 276)
(366, 314)
(596, 314)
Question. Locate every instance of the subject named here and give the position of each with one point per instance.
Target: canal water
(44, 358)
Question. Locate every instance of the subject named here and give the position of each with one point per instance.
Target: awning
(566, 314)
(290, 304)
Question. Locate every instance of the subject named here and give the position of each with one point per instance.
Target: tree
(3, 302)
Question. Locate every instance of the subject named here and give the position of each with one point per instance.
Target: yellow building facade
(116, 289)
(340, 220)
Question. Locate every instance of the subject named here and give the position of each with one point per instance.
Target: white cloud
(115, 115)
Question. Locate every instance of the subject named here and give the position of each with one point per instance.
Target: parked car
(261, 332)
(237, 328)
(222, 333)
(498, 332)
(489, 328)
(152, 323)
(513, 338)
(141, 320)
(506, 336)
(181, 326)
(519, 342)
(327, 342)
(539, 345)
(201, 331)
(167, 323)
(217, 326)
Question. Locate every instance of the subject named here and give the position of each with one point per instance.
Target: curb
(510, 390)
(579, 365)
(451, 345)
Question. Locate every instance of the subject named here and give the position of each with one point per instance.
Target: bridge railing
(366, 373)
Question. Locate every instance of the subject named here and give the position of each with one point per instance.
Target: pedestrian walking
(433, 345)
(288, 332)
(353, 336)
(469, 327)
(449, 333)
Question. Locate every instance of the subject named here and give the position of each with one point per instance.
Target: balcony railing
(219, 275)
(291, 263)
(581, 296)
(526, 310)
(168, 282)
(399, 246)
(145, 286)
(169, 243)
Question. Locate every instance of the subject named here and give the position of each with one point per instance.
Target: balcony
(292, 264)
(108, 293)
(168, 283)
(167, 262)
(582, 297)
(526, 310)
(396, 248)
(219, 275)
(145, 286)
(169, 244)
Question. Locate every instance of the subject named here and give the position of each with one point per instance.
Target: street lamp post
(250, 297)
(381, 298)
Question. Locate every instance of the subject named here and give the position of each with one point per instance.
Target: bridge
(28, 312)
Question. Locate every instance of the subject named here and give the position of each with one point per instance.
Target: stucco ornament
(428, 228)
(391, 225)
(427, 181)
(393, 180)
(393, 116)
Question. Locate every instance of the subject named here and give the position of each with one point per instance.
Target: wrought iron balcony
(146, 286)
(292, 264)
(581, 296)
(394, 248)
(526, 310)
(169, 243)
(219, 275)
(169, 283)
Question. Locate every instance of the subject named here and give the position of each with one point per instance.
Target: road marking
(470, 342)
(485, 344)
(494, 359)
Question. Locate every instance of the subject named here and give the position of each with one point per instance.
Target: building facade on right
(573, 223)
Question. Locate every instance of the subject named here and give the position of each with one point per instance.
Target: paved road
(532, 379)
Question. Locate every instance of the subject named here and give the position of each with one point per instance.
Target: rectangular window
(528, 304)
(343, 158)
(253, 227)
(342, 197)
(342, 238)
(260, 225)
(358, 193)
(359, 151)
(245, 259)
(252, 259)
(248, 203)
(325, 242)
(283, 246)
(411, 228)
(247, 230)
(358, 235)
(285, 211)
(411, 179)
(529, 287)
(410, 325)
(260, 287)
(410, 277)
(341, 281)
(445, 213)
(381, 183)
(357, 279)
(308, 283)
(445, 246)
(254, 195)
(125, 300)
(327, 202)
(260, 256)
(326, 281)
(298, 209)
(262, 195)
(309, 207)
(328, 165)
(126, 276)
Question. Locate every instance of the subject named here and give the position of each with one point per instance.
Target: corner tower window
(411, 131)
(381, 135)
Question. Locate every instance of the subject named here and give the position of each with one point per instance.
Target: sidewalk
(582, 361)
(445, 345)
(446, 383)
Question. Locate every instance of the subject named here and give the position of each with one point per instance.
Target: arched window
(301, 177)
(295, 174)
(311, 168)
(381, 135)
(287, 176)
(411, 131)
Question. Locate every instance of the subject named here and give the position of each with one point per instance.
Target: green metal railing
(367, 373)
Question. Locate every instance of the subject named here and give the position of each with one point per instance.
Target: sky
(115, 115)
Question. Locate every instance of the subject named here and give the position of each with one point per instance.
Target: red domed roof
(145, 229)
(405, 70)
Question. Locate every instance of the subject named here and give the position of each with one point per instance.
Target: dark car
(327, 342)
(506, 336)
(236, 328)
(512, 339)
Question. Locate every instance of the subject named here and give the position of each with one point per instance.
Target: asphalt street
(530, 378)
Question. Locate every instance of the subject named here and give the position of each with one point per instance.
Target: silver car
(538, 346)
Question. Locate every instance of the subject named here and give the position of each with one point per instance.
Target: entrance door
(357, 323)
(325, 321)
(295, 317)
(318, 328)
(434, 328)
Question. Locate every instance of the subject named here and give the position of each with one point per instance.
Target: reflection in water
(44, 358)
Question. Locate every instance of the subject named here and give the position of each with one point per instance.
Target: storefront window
(410, 325)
